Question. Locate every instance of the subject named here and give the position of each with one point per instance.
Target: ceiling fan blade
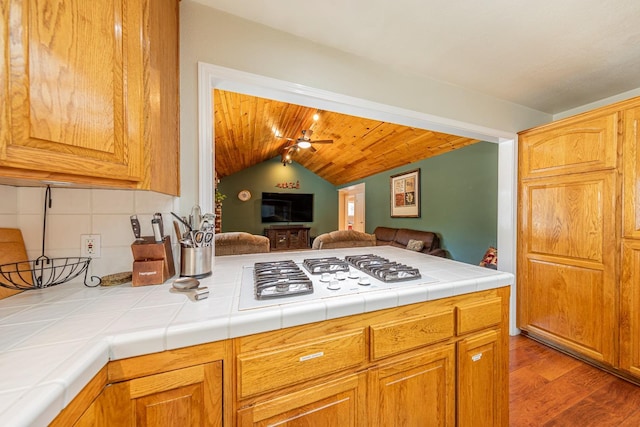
(322, 141)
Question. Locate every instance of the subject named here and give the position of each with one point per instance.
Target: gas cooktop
(283, 282)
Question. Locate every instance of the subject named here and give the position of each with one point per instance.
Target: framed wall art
(405, 194)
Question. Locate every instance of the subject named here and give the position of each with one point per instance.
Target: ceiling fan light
(304, 144)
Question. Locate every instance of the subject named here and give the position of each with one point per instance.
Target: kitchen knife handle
(155, 225)
(158, 216)
(135, 226)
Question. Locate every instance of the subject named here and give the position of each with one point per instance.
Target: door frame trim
(212, 77)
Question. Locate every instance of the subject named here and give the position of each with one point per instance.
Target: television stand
(286, 237)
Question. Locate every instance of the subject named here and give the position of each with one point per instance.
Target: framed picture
(405, 194)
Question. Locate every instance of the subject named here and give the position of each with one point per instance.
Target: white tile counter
(54, 340)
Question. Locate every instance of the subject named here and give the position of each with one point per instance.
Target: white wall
(218, 38)
(601, 103)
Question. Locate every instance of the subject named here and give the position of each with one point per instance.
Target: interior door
(351, 209)
(358, 219)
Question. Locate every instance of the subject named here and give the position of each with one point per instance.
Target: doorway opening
(351, 208)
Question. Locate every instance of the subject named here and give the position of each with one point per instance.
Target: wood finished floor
(549, 388)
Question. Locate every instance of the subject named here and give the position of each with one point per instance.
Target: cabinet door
(184, 397)
(579, 145)
(631, 164)
(72, 69)
(295, 239)
(630, 308)
(282, 239)
(337, 403)
(481, 384)
(567, 262)
(416, 391)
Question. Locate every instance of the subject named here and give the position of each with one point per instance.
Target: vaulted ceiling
(250, 130)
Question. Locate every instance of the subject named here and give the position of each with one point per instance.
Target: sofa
(343, 239)
(400, 237)
(238, 243)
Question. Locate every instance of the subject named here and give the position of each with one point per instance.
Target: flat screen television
(287, 207)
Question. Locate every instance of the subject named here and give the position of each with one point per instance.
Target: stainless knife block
(152, 261)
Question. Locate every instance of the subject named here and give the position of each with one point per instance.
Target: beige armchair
(238, 243)
(343, 239)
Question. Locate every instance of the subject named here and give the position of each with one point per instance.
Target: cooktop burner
(383, 269)
(279, 279)
(325, 265)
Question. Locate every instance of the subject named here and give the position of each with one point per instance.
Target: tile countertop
(54, 340)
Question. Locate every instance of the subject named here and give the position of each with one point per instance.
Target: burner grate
(325, 265)
(280, 279)
(383, 269)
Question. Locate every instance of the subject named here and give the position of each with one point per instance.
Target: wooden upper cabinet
(90, 93)
(563, 147)
(631, 173)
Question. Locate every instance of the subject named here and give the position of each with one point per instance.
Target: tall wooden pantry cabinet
(579, 236)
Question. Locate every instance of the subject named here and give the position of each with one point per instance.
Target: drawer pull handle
(476, 357)
(312, 356)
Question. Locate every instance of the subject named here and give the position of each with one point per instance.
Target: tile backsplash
(85, 211)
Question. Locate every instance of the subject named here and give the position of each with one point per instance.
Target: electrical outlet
(90, 245)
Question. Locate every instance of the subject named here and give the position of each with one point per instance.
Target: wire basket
(44, 272)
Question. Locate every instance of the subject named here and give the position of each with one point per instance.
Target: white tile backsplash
(30, 200)
(114, 229)
(9, 197)
(63, 231)
(112, 201)
(147, 202)
(70, 201)
(31, 227)
(83, 211)
(9, 220)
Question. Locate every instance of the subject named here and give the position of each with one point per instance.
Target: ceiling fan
(303, 142)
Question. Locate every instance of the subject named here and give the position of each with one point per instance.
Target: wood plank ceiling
(250, 130)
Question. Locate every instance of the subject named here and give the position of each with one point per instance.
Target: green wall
(263, 177)
(459, 200)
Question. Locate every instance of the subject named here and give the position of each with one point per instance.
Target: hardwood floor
(549, 388)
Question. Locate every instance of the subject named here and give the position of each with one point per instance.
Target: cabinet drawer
(478, 315)
(264, 371)
(395, 337)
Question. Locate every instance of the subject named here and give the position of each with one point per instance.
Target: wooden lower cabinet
(416, 391)
(482, 370)
(340, 402)
(184, 397)
(182, 387)
(437, 363)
